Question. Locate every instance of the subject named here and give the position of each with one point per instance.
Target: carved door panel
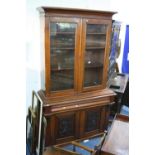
(66, 126)
(92, 121)
(69, 126)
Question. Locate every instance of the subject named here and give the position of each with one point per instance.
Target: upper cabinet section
(77, 46)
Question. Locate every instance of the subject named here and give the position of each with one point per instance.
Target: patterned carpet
(124, 110)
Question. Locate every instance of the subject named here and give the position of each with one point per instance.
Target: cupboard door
(95, 52)
(66, 126)
(62, 54)
(92, 121)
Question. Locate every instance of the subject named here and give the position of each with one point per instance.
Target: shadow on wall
(32, 83)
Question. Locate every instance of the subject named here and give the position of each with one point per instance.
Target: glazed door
(62, 54)
(95, 49)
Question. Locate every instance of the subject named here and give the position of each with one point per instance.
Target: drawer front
(74, 106)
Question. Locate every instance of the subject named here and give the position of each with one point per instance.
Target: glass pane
(95, 41)
(94, 54)
(63, 27)
(62, 41)
(96, 28)
(62, 55)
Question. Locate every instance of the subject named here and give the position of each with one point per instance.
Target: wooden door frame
(48, 20)
(106, 53)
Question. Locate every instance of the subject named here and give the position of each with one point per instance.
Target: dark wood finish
(53, 105)
(117, 140)
(70, 109)
(76, 107)
(48, 11)
(81, 18)
(47, 57)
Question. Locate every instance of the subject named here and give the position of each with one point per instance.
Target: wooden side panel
(47, 56)
(48, 132)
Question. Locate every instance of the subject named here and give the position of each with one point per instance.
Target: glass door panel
(95, 43)
(62, 55)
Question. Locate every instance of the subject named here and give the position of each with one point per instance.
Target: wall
(33, 36)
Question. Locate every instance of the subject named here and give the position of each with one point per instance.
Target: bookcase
(76, 100)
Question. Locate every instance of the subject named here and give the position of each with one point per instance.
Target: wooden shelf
(62, 33)
(61, 69)
(63, 48)
(95, 48)
(96, 33)
(72, 48)
(89, 66)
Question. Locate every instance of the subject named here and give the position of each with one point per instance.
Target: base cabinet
(75, 118)
(73, 125)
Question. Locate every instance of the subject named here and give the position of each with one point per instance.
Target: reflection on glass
(96, 28)
(94, 54)
(62, 41)
(62, 55)
(62, 59)
(62, 27)
(97, 41)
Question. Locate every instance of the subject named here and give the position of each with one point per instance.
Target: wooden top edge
(45, 9)
(95, 94)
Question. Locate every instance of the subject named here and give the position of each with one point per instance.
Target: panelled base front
(76, 118)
